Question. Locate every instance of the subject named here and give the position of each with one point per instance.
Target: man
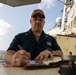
(33, 44)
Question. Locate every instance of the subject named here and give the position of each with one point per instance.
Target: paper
(55, 60)
(32, 62)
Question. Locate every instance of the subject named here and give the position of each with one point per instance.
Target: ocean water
(2, 51)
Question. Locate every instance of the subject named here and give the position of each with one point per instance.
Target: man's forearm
(57, 52)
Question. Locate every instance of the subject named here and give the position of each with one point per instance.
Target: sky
(14, 20)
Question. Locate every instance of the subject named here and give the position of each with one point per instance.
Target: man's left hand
(44, 55)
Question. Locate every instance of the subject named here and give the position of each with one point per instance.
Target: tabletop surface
(9, 70)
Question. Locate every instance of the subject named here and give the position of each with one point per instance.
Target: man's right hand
(20, 58)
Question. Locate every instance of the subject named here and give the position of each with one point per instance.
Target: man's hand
(44, 55)
(20, 58)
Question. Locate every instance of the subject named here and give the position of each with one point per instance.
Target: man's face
(37, 23)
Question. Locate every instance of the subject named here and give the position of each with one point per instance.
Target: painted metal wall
(67, 44)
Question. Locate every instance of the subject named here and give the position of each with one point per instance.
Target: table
(8, 70)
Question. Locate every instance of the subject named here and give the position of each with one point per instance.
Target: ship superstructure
(67, 24)
(65, 32)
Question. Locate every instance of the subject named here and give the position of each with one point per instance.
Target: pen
(20, 47)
